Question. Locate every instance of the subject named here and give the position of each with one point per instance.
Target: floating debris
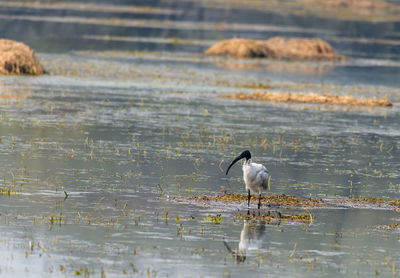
(276, 48)
(311, 98)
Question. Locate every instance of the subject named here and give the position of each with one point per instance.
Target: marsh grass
(311, 98)
(283, 200)
(266, 200)
(387, 227)
(10, 191)
(275, 216)
(367, 201)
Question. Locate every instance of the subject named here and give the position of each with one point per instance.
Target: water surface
(129, 116)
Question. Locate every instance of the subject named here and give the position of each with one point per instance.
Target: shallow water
(91, 152)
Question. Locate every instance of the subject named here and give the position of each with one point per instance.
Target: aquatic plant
(275, 215)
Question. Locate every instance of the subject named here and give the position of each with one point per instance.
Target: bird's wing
(263, 174)
(259, 167)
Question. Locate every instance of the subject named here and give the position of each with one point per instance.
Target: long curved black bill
(234, 161)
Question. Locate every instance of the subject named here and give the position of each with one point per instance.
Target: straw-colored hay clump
(17, 58)
(276, 48)
(311, 98)
(359, 4)
(241, 48)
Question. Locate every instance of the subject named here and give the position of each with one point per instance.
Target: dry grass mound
(276, 48)
(302, 49)
(358, 4)
(241, 48)
(311, 98)
(17, 58)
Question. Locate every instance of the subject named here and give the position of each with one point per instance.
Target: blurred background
(364, 28)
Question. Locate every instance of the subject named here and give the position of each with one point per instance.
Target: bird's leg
(259, 201)
(248, 200)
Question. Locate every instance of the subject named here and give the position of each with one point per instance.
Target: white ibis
(255, 176)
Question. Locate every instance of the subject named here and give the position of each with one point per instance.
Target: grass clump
(9, 191)
(380, 202)
(254, 86)
(17, 58)
(387, 227)
(277, 216)
(270, 200)
(276, 48)
(311, 98)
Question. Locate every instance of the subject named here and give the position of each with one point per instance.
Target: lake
(130, 116)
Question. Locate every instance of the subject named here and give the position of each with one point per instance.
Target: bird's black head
(246, 154)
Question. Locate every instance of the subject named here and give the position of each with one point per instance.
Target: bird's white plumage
(255, 177)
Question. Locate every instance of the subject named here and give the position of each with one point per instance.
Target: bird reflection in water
(251, 238)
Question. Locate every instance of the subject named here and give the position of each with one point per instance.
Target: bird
(255, 176)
